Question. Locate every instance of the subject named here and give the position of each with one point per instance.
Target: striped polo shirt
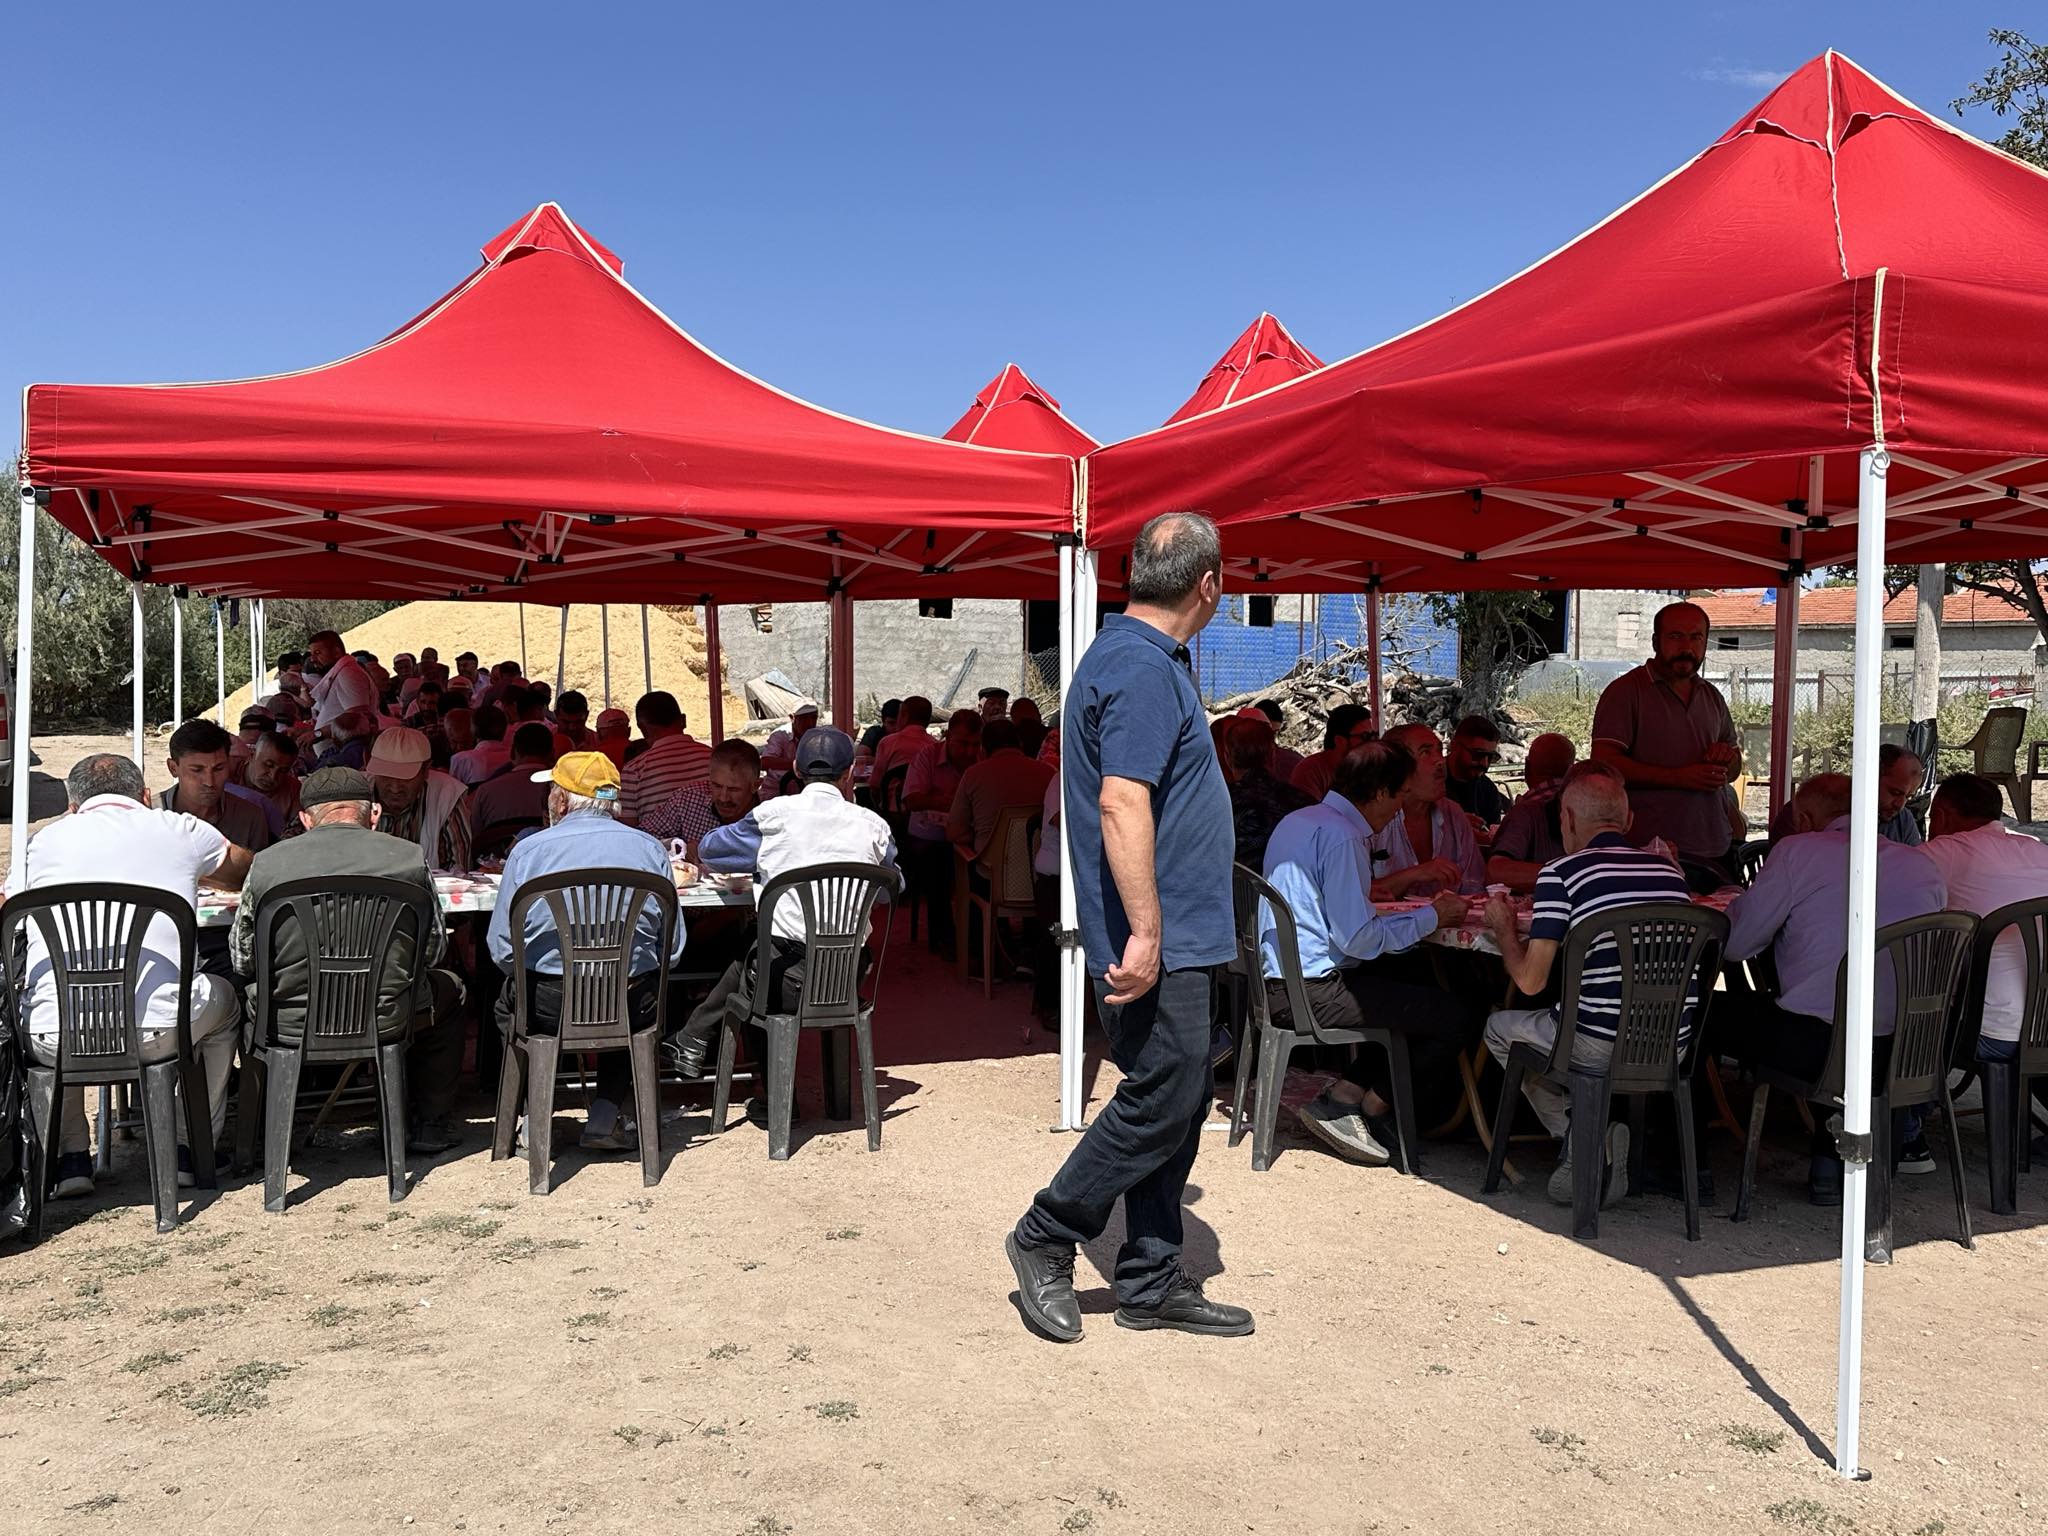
(1605, 874)
(650, 780)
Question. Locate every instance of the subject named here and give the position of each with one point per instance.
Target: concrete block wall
(895, 652)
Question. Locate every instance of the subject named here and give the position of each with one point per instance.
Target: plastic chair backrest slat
(837, 902)
(1929, 958)
(1667, 954)
(94, 933)
(596, 914)
(349, 925)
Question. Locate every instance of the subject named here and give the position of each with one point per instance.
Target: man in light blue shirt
(582, 836)
(1798, 907)
(1318, 860)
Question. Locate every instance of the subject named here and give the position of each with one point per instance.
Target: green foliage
(84, 639)
(2016, 84)
(1497, 637)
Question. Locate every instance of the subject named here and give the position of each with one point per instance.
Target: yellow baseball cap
(591, 774)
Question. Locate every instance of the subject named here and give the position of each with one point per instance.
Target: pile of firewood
(1309, 692)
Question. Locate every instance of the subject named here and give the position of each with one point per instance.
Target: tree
(1497, 638)
(2016, 86)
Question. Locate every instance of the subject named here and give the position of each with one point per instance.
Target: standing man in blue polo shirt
(1148, 814)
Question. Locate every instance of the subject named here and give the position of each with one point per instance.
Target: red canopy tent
(1012, 412)
(540, 432)
(1265, 355)
(1676, 397)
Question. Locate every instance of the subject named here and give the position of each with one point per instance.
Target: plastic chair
(1996, 747)
(94, 933)
(1749, 858)
(1277, 1043)
(1668, 953)
(2008, 1132)
(1006, 866)
(1929, 957)
(363, 945)
(596, 920)
(837, 902)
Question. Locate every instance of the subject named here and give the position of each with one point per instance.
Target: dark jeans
(1756, 1031)
(433, 1061)
(1437, 1025)
(928, 864)
(785, 975)
(544, 1017)
(1142, 1144)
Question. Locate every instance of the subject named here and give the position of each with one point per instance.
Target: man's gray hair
(103, 774)
(1597, 793)
(356, 813)
(1171, 555)
(563, 803)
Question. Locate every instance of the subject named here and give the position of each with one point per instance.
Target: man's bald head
(1821, 799)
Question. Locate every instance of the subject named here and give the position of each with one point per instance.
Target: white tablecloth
(477, 892)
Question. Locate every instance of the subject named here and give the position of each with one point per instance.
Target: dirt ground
(828, 1344)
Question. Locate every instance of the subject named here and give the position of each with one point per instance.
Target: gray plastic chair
(2007, 1125)
(94, 933)
(364, 946)
(1669, 953)
(1930, 958)
(596, 916)
(1275, 1044)
(837, 902)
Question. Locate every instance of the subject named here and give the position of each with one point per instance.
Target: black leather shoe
(1185, 1308)
(686, 1057)
(1045, 1289)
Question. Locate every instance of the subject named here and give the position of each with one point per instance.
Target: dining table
(474, 893)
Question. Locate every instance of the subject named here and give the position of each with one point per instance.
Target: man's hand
(1450, 909)
(1441, 871)
(1708, 775)
(1138, 973)
(1725, 753)
(1500, 915)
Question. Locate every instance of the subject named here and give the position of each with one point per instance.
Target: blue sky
(874, 207)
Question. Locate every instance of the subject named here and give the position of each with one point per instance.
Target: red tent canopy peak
(548, 228)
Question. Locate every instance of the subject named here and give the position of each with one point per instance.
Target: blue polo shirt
(1133, 713)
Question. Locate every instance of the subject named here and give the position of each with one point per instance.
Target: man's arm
(234, 869)
(1127, 843)
(1702, 775)
(1755, 916)
(734, 848)
(1528, 960)
(960, 815)
(1515, 874)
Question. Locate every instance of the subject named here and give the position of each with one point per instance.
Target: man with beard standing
(1148, 818)
(1667, 731)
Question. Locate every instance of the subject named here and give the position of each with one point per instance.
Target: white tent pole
(1870, 511)
(562, 651)
(252, 618)
(1070, 957)
(1372, 653)
(135, 625)
(24, 674)
(177, 661)
(604, 635)
(220, 656)
(522, 641)
(1785, 648)
(646, 652)
(715, 665)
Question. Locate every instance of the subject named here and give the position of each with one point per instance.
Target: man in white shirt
(111, 832)
(339, 683)
(1986, 866)
(779, 755)
(820, 824)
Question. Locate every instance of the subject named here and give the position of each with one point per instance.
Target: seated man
(614, 735)
(513, 793)
(778, 754)
(871, 738)
(672, 759)
(994, 704)
(928, 791)
(1475, 747)
(1797, 908)
(336, 812)
(572, 728)
(820, 824)
(110, 832)
(492, 749)
(1317, 860)
(420, 804)
(1899, 776)
(199, 786)
(1285, 761)
(1024, 714)
(731, 789)
(1258, 798)
(1985, 867)
(266, 775)
(583, 834)
(1348, 726)
(1531, 835)
(909, 741)
(1003, 779)
(349, 736)
(1598, 873)
(1428, 847)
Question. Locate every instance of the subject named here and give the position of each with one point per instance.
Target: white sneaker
(1615, 1183)
(1342, 1128)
